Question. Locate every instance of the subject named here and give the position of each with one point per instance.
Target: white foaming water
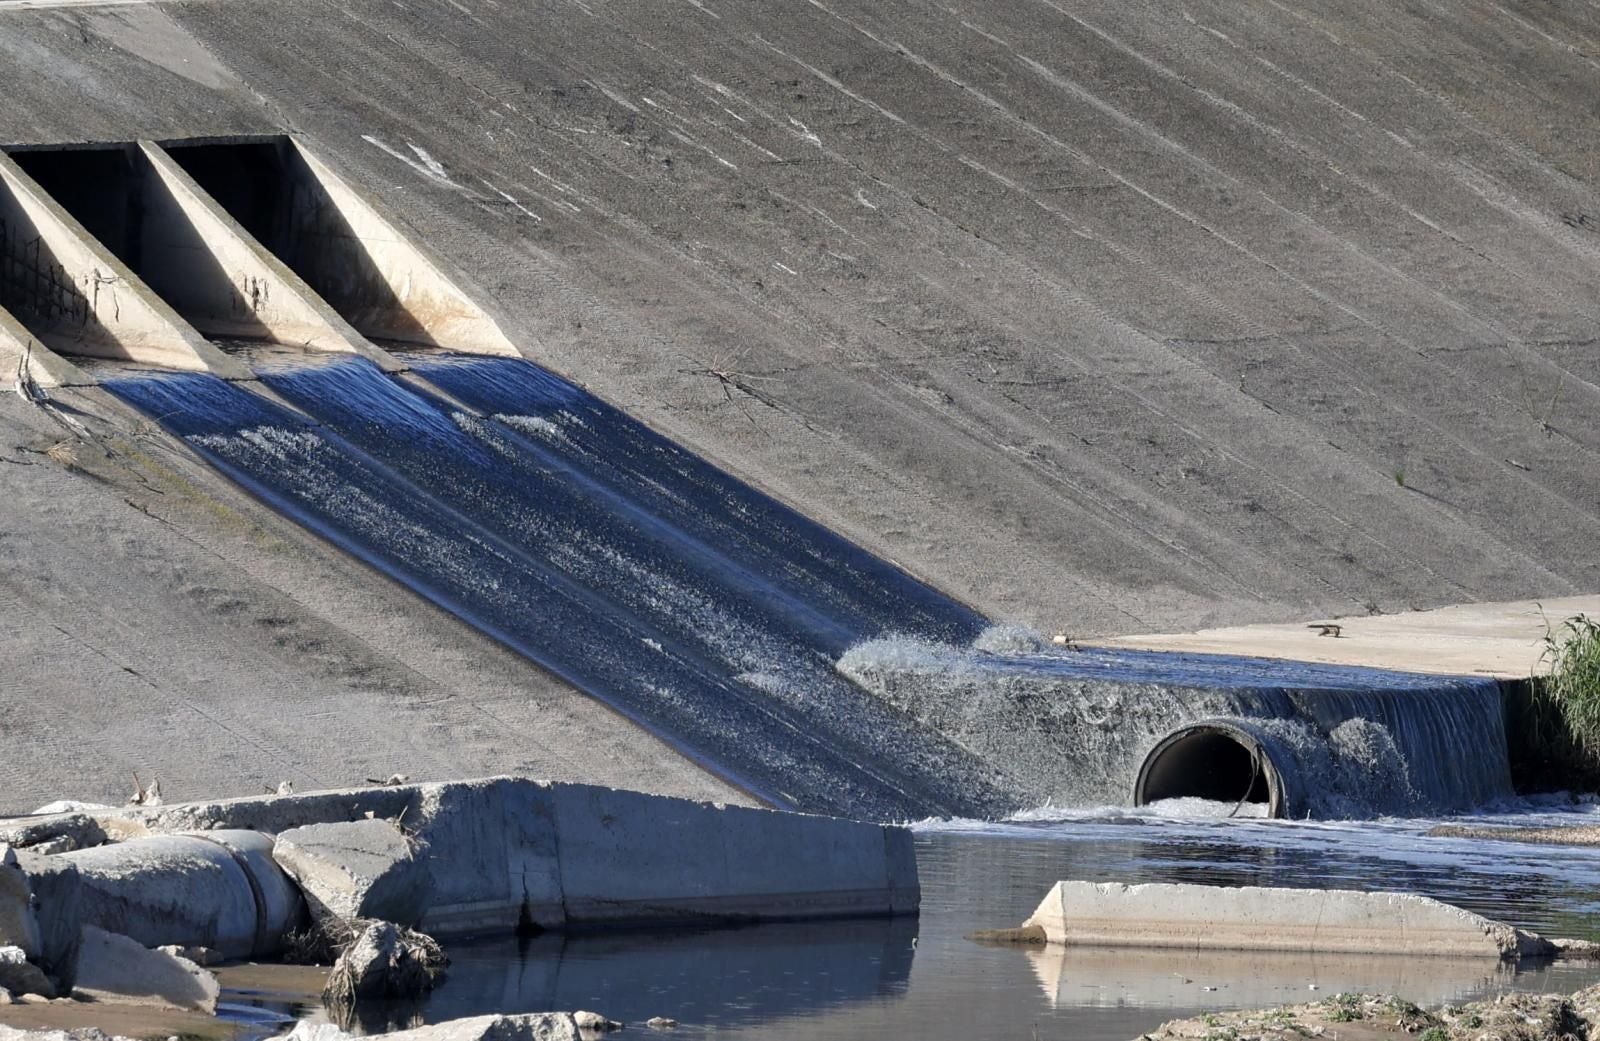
(1009, 638)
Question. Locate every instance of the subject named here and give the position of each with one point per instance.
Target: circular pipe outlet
(1221, 760)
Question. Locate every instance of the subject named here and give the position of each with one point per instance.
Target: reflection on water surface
(920, 979)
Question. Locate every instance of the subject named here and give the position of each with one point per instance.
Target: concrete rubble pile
(131, 901)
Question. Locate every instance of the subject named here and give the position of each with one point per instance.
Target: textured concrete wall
(510, 851)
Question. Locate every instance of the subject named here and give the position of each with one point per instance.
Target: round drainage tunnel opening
(1211, 762)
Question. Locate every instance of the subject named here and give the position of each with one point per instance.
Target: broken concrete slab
(625, 857)
(492, 854)
(18, 975)
(67, 830)
(56, 896)
(358, 870)
(19, 926)
(1254, 918)
(221, 890)
(116, 967)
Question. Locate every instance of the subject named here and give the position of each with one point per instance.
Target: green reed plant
(1572, 690)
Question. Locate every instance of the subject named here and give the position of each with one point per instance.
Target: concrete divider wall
(508, 852)
(1173, 915)
(223, 281)
(24, 357)
(79, 297)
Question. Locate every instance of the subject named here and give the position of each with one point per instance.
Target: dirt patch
(136, 1021)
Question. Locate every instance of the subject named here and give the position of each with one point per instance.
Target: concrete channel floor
(1504, 640)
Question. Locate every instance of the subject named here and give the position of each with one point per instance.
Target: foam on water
(1391, 853)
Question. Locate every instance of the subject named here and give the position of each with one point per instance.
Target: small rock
(1208, 988)
(385, 961)
(305, 1030)
(543, 1026)
(660, 1023)
(5, 996)
(595, 1022)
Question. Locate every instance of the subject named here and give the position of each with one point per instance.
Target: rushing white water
(1073, 725)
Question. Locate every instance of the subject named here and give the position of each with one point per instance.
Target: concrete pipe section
(221, 890)
(1221, 760)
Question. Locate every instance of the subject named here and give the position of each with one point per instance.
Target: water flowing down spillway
(703, 610)
(1085, 726)
(773, 652)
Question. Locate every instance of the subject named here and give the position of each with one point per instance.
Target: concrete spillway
(760, 644)
(692, 604)
(715, 616)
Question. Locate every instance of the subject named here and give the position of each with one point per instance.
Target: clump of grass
(1345, 1008)
(1572, 651)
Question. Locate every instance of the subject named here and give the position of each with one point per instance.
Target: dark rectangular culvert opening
(119, 198)
(55, 296)
(272, 192)
(99, 187)
(251, 181)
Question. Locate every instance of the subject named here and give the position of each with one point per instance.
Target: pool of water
(921, 977)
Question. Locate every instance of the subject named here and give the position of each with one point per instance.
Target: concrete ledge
(401, 292)
(1502, 640)
(1250, 918)
(512, 852)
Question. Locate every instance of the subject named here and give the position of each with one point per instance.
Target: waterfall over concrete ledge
(1092, 726)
